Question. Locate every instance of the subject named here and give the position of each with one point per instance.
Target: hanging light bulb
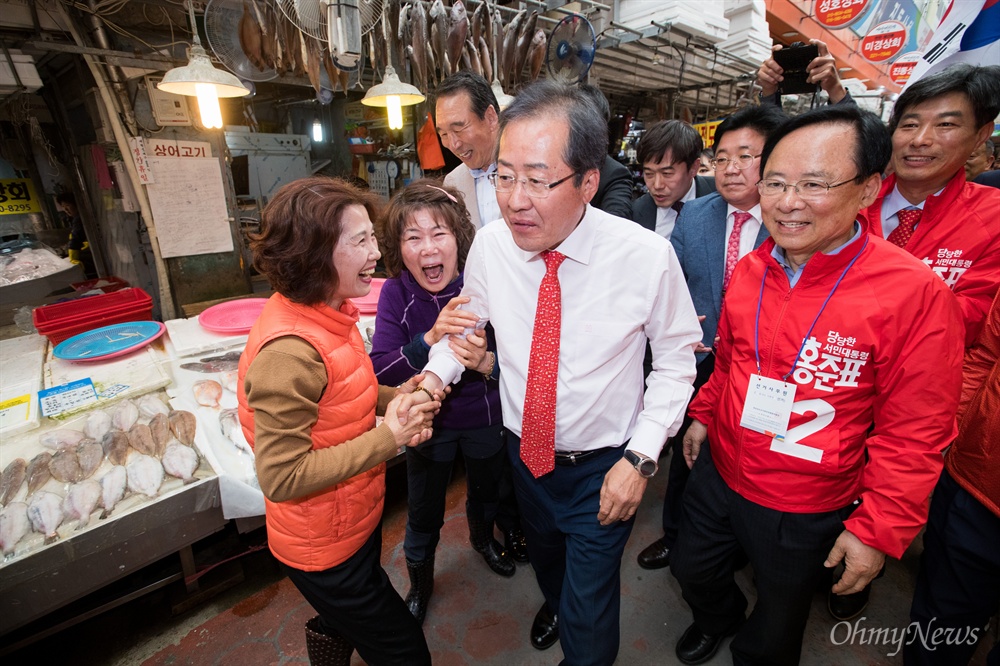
(208, 105)
(199, 78)
(394, 95)
(394, 108)
(317, 131)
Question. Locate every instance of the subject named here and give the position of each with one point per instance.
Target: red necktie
(733, 249)
(538, 426)
(908, 220)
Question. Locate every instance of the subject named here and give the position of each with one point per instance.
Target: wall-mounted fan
(571, 49)
(224, 22)
(334, 22)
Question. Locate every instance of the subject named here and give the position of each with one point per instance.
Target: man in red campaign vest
(926, 207)
(818, 438)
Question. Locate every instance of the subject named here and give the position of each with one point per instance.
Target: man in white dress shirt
(574, 294)
(710, 237)
(467, 119)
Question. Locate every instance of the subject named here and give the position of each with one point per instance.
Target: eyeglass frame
(715, 161)
(493, 177)
(795, 186)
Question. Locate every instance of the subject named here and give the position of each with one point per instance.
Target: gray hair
(587, 144)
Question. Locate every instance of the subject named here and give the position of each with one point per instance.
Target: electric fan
(571, 49)
(222, 28)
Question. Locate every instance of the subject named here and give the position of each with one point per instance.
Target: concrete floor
(475, 617)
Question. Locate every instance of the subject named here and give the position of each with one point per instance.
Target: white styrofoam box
(705, 18)
(24, 65)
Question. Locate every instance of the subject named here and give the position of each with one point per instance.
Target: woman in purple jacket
(424, 236)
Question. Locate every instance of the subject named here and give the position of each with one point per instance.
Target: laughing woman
(425, 235)
(307, 402)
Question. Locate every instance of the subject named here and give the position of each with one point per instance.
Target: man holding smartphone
(821, 71)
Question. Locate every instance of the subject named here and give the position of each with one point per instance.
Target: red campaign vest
(887, 349)
(958, 238)
(322, 530)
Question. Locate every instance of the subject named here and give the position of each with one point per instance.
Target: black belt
(572, 458)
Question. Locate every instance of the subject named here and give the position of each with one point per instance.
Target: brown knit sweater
(283, 386)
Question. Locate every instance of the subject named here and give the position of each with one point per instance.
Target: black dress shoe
(848, 606)
(498, 559)
(545, 628)
(696, 647)
(655, 556)
(517, 547)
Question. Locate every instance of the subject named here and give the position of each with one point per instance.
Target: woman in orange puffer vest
(308, 399)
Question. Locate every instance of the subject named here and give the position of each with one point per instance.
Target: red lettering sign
(902, 68)
(836, 14)
(884, 41)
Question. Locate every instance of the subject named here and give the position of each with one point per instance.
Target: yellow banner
(707, 131)
(17, 195)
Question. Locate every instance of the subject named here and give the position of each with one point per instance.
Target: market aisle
(476, 617)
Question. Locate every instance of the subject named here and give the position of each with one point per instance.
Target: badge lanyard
(760, 299)
(769, 403)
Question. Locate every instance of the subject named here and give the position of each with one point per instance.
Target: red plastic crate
(60, 321)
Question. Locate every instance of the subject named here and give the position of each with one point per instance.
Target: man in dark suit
(614, 193)
(669, 152)
(710, 236)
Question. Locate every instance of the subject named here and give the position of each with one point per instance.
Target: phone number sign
(901, 70)
(17, 195)
(884, 41)
(836, 14)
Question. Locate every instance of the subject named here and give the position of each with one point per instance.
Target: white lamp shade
(391, 86)
(184, 80)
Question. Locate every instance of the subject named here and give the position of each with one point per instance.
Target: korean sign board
(17, 196)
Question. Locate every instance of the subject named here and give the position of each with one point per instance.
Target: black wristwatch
(645, 466)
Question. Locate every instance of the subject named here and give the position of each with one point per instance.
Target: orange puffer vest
(322, 530)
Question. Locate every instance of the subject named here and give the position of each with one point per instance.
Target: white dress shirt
(486, 194)
(666, 218)
(620, 284)
(891, 205)
(748, 232)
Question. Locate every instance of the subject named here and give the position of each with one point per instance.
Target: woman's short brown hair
(432, 195)
(299, 230)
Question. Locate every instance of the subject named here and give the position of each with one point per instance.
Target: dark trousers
(356, 601)
(787, 551)
(577, 561)
(678, 471)
(958, 586)
(428, 471)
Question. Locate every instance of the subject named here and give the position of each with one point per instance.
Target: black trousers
(428, 471)
(678, 471)
(958, 586)
(577, 561)
(787, 551)
(355, 600)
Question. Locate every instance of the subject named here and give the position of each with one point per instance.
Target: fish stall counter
(155, 464)
(108, 481)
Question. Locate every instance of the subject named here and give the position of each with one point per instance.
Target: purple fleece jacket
(405, 312)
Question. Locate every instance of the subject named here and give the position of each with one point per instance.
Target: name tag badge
(768, 406)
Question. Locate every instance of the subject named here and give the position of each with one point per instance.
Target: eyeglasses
(804, 189)
(740, 161)
(534, 188)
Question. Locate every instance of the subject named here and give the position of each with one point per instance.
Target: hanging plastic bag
(428, 147)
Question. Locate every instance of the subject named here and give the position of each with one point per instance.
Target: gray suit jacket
(699, 238)
(644, 209)
(461, 179)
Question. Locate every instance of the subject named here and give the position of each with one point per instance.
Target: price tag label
(67, 397)
(15, 411)
(768, 406)
(112, 391)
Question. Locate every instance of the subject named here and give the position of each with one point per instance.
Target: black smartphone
(794, 60)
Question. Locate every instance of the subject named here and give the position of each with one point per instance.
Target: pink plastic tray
(368, 305)
(232, 317)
